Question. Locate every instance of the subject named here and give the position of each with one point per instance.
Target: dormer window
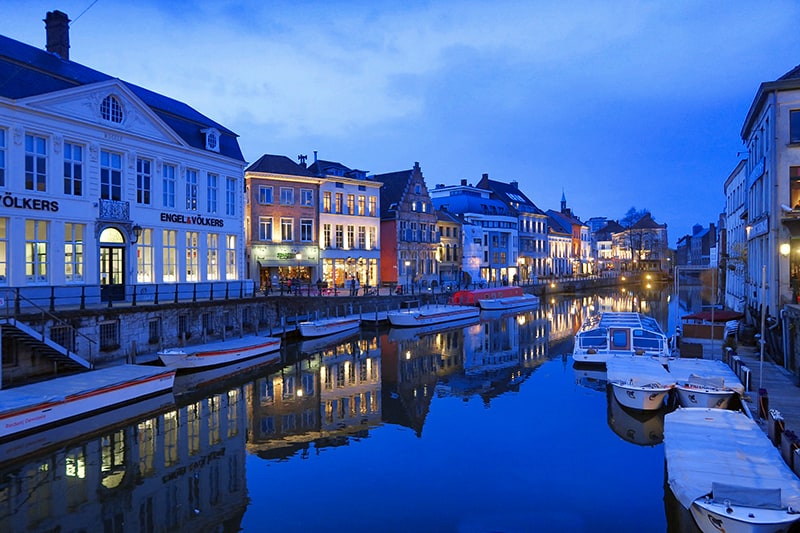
(111, 109)
(212, 139)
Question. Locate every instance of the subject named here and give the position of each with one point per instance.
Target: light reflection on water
(481, 427)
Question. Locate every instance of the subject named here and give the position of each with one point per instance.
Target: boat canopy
(471, 297)
(705, 371)
(710, 450)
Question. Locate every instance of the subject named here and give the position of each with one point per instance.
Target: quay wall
(121, 333)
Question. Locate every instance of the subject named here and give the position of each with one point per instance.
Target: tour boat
(328, 326)
(705, 382)
(723, 468)
(493, 299)
(640, 383)
(426, 315)
(38, 405)
(620, 333)
(218, 353)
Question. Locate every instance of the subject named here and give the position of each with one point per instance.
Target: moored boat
(704, 383)
(218, 353)
(496, 298)
(426, 315)
(39, 405)
(724, 469)
(638, 382)
(612, 333)
(328, 326)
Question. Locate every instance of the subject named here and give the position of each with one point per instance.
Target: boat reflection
(645, 428)
(591, 376)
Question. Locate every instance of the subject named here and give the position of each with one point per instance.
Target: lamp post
(408, 269)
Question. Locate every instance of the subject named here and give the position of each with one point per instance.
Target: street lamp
(408, 269)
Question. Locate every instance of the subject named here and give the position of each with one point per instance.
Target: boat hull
(690, 396)
(713, 517)
(184, 360)
(48, 411)
(498, 304)
(640, 398)
(320, 328)
(425, 316)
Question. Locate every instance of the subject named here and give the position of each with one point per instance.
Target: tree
(634, 239)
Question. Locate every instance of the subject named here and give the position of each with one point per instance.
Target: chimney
(485, 176)
(302, 158)
(315, 156)
(57, 27)
(515, 184)
(463, 183)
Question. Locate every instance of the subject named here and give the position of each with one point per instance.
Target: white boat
(218, 353)
(644, 428)
(704, 382)
(38, 405)
(640, 383)
(723, 468)
(496, 298)
(64, 433)
(318, 344)
(328, 326)
(414, 334)
(612, 333)
(509, 302)
(431, 314)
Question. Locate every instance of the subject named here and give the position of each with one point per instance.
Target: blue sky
(617, 104)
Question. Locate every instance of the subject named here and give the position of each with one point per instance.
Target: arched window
(111, 109)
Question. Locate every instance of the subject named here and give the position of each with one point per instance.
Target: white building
(107, 184)
(771, 134)
(497, 230)
(736, 241)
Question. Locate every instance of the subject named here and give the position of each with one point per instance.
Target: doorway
(112, 265)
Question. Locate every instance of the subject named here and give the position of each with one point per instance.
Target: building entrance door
(112, 265)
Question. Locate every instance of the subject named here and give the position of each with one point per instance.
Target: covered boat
(640, 383)
(723, 468)
(704, 382)
(39, 405)
(219, 353)
(415, 315)
(328, 326)
(612, 333)
(496, 298)
(703, 334)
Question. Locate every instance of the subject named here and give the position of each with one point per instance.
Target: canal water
(484, 427)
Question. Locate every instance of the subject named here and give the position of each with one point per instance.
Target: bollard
(736, 362)
(775, 426)
(797, 462)
(789, 443)
(745, 377)
(763, 403)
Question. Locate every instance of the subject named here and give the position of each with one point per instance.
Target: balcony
(114, 210)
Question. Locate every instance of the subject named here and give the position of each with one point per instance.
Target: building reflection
(323, 398)
(182, 469)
